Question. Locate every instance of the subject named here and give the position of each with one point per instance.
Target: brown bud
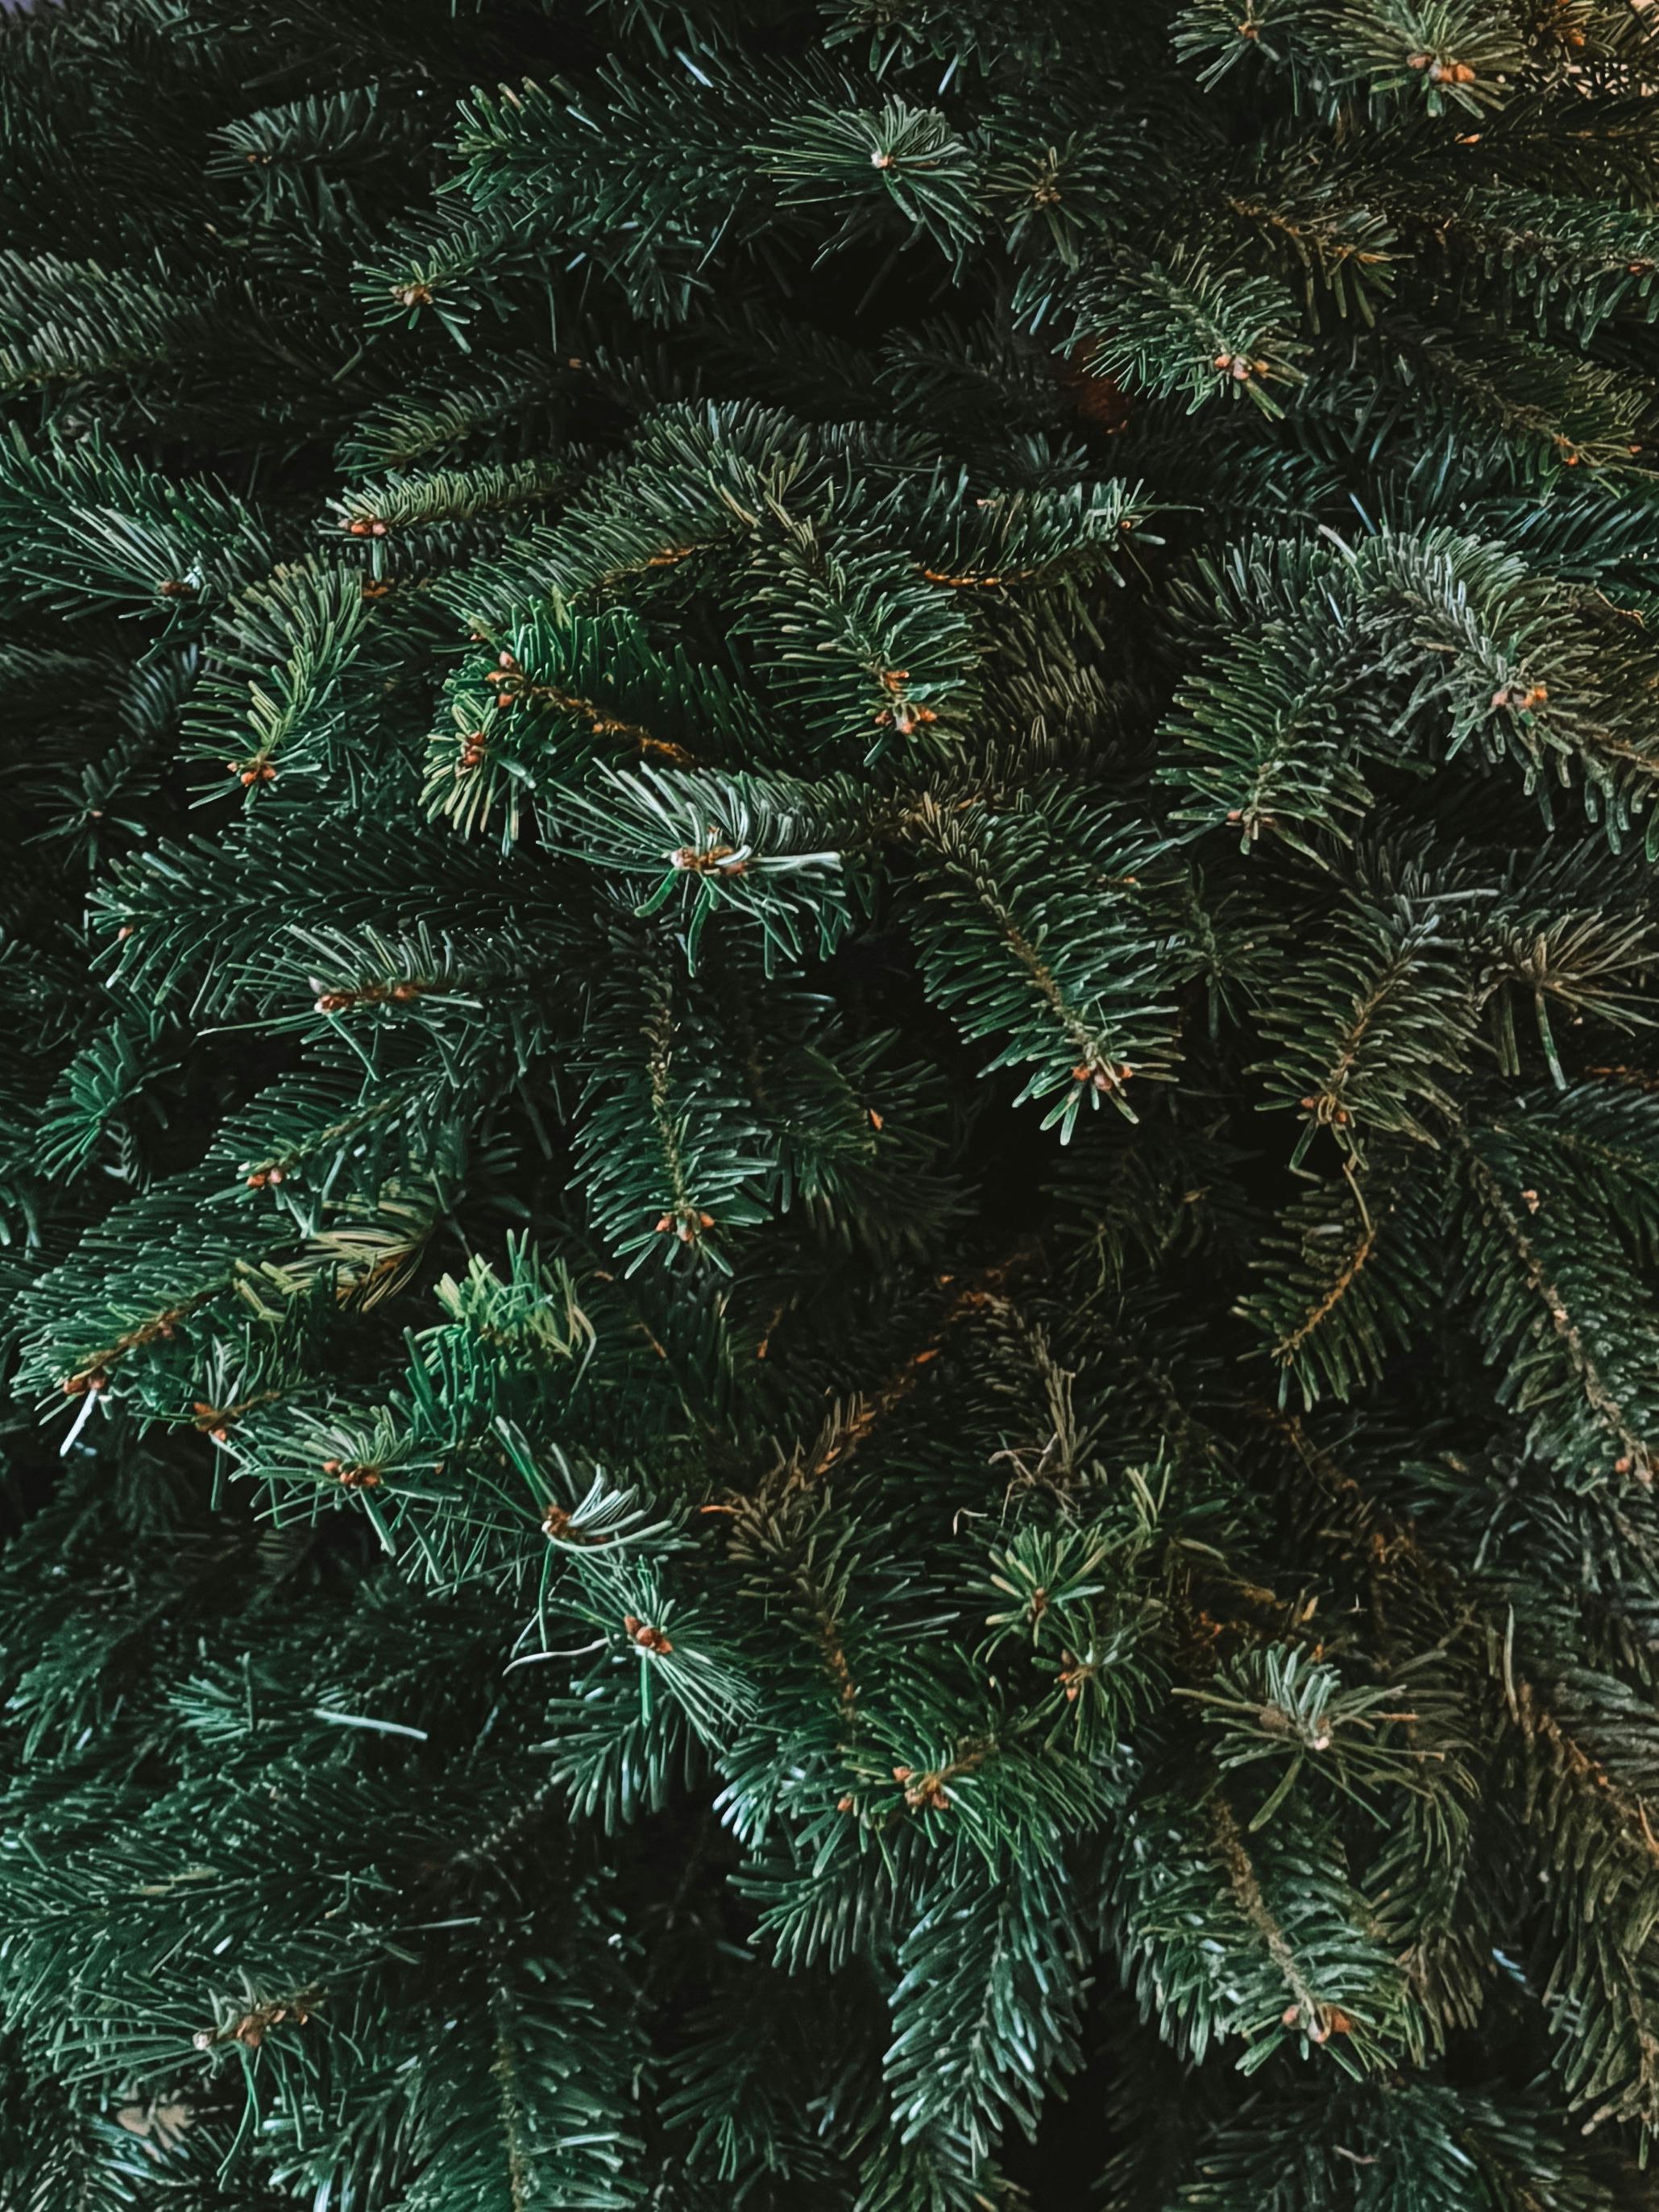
(647, 1637)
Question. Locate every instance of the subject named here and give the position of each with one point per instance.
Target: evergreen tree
(830, 1162)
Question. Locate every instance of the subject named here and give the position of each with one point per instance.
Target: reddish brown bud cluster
(1520, 698)
(1439, 71)
(509, 681)
(252, 2029)
(648, 1638)
(352, 1475)
(159, 1328)
(685, 1225)
(1109, 1076)
(256, 769)
(1240, 367)
(919, 1789)
(711, 860)
(370, 994)
(555, 1520)
(903, 718)
(1326, 2021)
(906, 716)
(473, 750)
(364, 526)
(262, 1178)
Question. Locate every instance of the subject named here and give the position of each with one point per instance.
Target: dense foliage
(831, 1152)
